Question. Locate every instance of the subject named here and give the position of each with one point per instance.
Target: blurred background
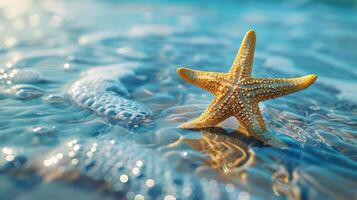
(55, 144)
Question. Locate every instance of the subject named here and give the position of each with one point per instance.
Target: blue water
(90, 100)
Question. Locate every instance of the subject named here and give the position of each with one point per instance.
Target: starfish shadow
(265, 138)
(227, 153)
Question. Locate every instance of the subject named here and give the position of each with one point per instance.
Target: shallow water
(59, 145)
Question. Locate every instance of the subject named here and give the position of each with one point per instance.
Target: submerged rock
(101, 91)
(129, 170)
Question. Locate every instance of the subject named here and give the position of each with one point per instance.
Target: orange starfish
(238, 94)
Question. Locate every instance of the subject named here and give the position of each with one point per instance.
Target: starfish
(237, 93)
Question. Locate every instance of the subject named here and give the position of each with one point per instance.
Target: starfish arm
(270, 88)
(250, 117)
(214, 114)
(252, 124)
(243, 62)
(209, 81)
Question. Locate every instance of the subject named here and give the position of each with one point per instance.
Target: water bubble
(26, 92)
(75, 161)
(315, 107)
(136, 171)
(43, 130)
(150, 183)
(139, 163)
(67, 66)
(59, 156)
(55, 99)
(124, 178)
(170, 197)
(7, 150)
(9, 158)
(139, 197)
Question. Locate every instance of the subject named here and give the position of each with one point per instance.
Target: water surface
(56, 146)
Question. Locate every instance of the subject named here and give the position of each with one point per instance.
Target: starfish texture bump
(238, 94)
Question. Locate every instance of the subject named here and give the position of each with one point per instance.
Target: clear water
(54, 147)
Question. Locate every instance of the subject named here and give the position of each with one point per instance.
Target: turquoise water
(90, 100)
